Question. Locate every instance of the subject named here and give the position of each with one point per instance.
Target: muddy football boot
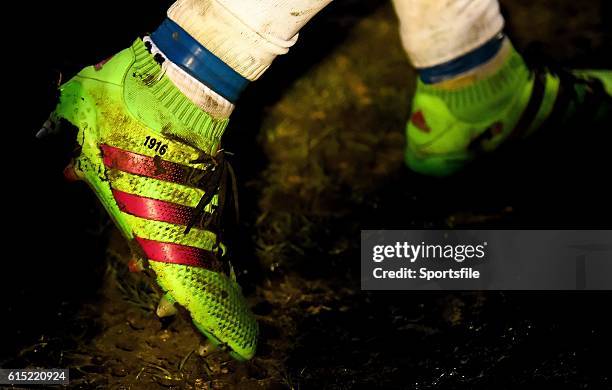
(450, 127)
(154, 161)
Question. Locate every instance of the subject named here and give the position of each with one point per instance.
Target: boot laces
(219, 179)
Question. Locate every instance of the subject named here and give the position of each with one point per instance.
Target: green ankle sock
(486, 97)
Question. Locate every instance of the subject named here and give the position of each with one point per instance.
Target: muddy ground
(318, 144)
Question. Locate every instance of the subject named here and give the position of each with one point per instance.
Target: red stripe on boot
(168, 252)
(153, 167)
(153, 209)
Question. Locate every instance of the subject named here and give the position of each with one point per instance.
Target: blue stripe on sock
(183, 50)
(466, 62)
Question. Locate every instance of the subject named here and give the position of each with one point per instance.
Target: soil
(318, 146)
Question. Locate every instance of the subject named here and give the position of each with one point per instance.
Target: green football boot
(153, 159)
(451, 126)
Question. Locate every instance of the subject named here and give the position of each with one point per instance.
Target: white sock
(436, 31)
(245, 34)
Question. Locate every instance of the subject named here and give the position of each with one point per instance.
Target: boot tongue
(189, 123)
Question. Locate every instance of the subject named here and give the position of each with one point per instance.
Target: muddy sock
(435, 32)
(212, 49)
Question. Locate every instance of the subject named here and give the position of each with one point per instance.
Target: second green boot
(451, 126)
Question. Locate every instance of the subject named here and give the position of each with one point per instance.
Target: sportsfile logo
(412, 253)
(462, 259)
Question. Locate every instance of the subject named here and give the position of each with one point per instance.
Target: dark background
(55, 270)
